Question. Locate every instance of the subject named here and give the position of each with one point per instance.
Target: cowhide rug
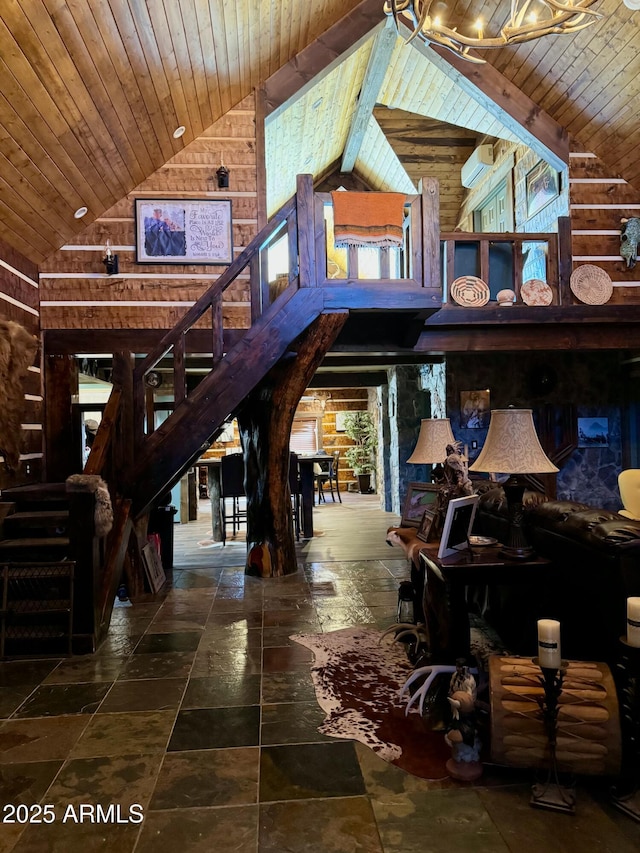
(357, 684)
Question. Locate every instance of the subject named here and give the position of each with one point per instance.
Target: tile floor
(195, 727)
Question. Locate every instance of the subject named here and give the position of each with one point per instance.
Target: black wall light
(110, 260)
(222, 174)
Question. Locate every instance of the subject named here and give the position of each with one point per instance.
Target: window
(306, 434)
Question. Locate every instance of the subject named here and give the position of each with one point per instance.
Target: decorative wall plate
(591, 284)
(536, 292)
(470, 291)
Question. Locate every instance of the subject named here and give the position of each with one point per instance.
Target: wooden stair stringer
(179, 441)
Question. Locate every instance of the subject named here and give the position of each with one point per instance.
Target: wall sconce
(110, 260)
(222, 173)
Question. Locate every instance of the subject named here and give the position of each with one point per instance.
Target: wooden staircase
(37, 571)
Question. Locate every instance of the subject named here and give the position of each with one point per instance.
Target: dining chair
(329, 476)
(232, 489)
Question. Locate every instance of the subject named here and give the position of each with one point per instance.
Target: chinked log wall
(76, 293)
(19, 302)
(599, 200)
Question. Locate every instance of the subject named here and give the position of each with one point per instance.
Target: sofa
(595, 556)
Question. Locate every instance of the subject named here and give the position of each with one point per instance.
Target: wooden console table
(445, 591)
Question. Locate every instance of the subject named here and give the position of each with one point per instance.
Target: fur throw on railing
(17, 351)
(103, 517)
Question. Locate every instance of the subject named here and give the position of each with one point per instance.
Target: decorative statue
(629, 238)
(462, 735)
(455, 472)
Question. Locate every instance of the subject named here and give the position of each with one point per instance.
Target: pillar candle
(633, 622)
(549, 643)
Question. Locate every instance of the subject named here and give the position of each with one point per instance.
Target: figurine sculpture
(629, 238)
(462, 734)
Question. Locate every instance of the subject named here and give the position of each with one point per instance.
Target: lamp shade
(512, 445)
(431, 446)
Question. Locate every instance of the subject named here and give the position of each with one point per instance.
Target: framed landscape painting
(420, 496)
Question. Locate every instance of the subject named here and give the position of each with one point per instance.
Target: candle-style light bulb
(633, 621)
(478, 26)
(549, 654)
(107, 249)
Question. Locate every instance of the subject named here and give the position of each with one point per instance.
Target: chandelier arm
(517, 19)
(565, 18)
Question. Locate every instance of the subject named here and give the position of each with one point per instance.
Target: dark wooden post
(63, 438)
(265, 425)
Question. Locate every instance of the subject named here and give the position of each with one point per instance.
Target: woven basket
(591, 285)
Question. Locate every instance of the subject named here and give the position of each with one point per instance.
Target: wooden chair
(231, 489)
(330, 478)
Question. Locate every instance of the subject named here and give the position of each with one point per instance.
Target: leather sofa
(595, 556)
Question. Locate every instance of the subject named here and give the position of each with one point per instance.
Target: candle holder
(550, 793)
(625, 794)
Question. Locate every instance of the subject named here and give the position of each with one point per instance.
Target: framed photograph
(426, 528)
(593, 432)
(153, 567)
(420, 496)
(475, 409)
(183, 231)
(457, 525)
(542, 186)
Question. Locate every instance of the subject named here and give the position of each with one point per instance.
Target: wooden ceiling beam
(379, 60)
(302, 72)
(500, 98)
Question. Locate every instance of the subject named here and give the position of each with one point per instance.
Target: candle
(549, 643)
(633, 622)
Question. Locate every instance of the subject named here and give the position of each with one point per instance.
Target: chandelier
(523, 24)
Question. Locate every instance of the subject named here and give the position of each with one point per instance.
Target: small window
(306, 435)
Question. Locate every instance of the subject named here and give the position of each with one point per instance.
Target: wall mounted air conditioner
(477, 165)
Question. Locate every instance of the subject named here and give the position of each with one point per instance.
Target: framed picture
(593, 432)
(420, 496)
(457, 525)
(475, 409)
(153, 567)
(542, 186)
(426, 528)
(183, 231)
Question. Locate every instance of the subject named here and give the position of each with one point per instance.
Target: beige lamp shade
(512, 445)
(431, 446)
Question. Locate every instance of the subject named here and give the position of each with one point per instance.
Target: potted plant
(361, 430)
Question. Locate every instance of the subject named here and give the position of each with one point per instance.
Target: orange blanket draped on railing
(367, 219)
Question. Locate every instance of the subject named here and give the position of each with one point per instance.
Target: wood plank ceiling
(91, 93)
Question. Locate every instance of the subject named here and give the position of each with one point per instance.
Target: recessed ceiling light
(80, 212)
(179, 131)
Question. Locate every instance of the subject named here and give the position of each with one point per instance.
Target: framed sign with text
(183, 231)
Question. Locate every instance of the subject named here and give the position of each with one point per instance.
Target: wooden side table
(444, 593)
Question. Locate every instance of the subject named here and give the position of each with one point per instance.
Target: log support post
(265, 425)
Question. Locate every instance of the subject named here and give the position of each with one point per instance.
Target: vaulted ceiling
(91, 92)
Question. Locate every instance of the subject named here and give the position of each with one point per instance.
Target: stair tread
(37, 514)
(30, 542)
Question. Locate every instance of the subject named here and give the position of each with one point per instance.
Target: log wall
(76, 292)
(599, 200)
(19, 302)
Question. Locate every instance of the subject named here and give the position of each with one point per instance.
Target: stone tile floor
(194, 727)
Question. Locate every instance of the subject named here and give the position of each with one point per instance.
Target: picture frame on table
(183, 231)
(426, 530)
(420, 496)
(457, 526)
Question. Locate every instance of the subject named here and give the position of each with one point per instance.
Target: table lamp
(431, 446)
(512, 447)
